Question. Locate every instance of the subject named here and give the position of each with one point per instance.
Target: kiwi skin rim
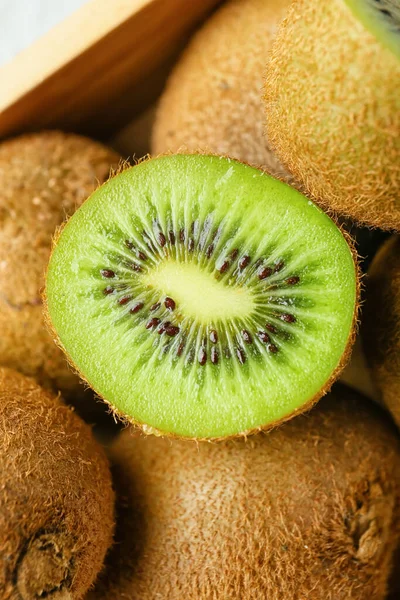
(148, 429)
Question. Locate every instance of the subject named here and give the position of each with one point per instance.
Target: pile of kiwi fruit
(206, 300)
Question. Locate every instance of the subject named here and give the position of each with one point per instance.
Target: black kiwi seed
(154, 322)
(142, 256)
(172, 330)
(210, 250)
(288, 318)
(191, 245)
(214, 336)
(182, 236)
(271, 328)
(264, 337)
(171, 236)
(244, 262)
(292, 280)
(214, 356)
(155, 306)
(266, 272)
(247, 336)
(135, 309)
(161, 239)
(124, 300)
(272, 348)
(107, 273)
(202, 357)
(169, 303)
(137, 268)
(108, 290)
(279, 266)
(224, 267)
(163, 327)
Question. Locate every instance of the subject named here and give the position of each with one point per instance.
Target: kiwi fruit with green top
(44, 177)
(202, 298)
(56, 496)
(381, 324)
(333, 105)
(213, 99)
(309, 510)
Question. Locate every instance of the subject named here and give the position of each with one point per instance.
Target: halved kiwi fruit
(202, 298)
(44, 177)
(213, 99)
(381, 324)
(333, 105)
(56, 496)
(308, 511)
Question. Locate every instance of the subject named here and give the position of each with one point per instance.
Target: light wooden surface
(98, 67)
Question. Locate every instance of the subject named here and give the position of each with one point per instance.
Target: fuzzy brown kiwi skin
(381, 325)
(310, 510)
(337, 132)
(213, 97)
(43, 178)
(56, 500)
(149, 430)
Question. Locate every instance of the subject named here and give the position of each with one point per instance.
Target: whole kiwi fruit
(381, 324)
(56, 496)
(309, 510)
(333, 106)
(213, 99)
(44, 177)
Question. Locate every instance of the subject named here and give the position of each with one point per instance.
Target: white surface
(23, 21)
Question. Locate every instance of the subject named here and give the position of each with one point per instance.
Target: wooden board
(96, 69)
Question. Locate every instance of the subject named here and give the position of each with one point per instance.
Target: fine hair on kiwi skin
(332, 105)
(56, 500)
(381, 324)
(213, 98)
(44, 177)
(309, 510)
(121, 374)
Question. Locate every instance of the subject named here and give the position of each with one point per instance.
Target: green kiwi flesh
(309, 511)
(382, 18)
(201, 297)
